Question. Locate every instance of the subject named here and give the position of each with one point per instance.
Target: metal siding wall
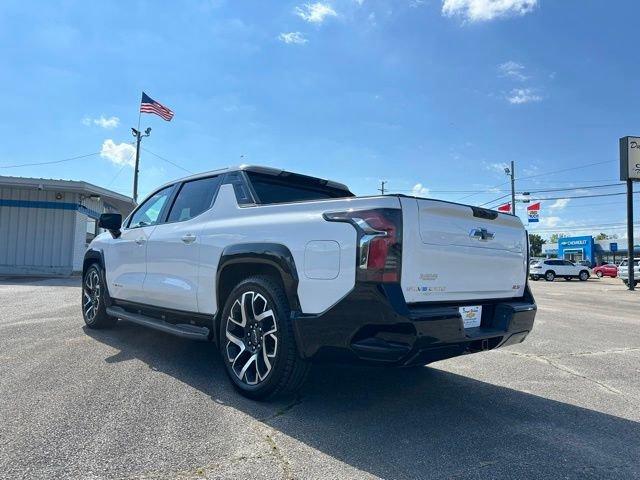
(36, 239)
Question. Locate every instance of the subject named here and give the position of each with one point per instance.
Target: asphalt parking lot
(134, 403)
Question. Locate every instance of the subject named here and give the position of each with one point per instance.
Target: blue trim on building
(49, 205)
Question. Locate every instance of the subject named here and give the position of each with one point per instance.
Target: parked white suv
(623, 271)
(280, 269)
(552, 268)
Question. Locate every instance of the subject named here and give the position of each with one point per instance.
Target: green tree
(535, 244)
(556, 236)
(602, 236)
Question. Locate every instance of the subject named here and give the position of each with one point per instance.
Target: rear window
(292, 188)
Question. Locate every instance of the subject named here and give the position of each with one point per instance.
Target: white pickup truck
(280, 269)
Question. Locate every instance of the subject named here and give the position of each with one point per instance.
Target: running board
(183, 330)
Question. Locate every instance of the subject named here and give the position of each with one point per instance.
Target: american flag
(149, 105)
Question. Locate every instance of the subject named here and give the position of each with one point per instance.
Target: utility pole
(511, 173)
(381, 189)
(136, 133)
(513, 188)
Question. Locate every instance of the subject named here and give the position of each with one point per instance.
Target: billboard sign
(630, 158)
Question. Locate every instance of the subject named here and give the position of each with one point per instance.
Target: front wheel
(257, 341)
(94, 308)
(599, 274)
(583, 276)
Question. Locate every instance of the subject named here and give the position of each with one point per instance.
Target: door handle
(140, 240)
(189, 238)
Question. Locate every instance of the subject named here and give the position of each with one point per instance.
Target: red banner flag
(505, 208)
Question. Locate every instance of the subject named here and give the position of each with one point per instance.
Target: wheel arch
(93, 256)
(241, 261)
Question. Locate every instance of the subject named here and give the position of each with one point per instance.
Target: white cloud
(484, 10)
(118, 153)
(549, 221)
(518, 96)
(497, 167)
(513, 70)
(107, 123)
(296, 38)
(419, 191)
(315, 12)
(559, 204)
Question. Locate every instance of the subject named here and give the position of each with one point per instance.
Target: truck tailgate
(452, 253)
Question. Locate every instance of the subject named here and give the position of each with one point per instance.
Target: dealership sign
(630, 158)
(533, 212)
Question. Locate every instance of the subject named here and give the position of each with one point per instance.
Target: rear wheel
(550, 276)
(583, 276)
(257, 341)
(535, 277)
(93, 299)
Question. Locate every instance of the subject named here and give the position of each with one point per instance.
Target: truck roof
(277, 172)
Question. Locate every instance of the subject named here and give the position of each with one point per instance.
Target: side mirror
(111, 222)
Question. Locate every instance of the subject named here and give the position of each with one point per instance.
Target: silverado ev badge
(481, 234)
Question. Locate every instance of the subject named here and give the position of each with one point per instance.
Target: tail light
(379, 256)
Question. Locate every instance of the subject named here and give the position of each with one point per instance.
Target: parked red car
(606, 270)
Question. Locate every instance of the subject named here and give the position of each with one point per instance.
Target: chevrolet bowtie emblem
(481, 234)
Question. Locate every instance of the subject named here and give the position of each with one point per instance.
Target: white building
(45, 225)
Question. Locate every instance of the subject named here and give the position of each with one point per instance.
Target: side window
(568, 263)
(149, 212)
(193, 198)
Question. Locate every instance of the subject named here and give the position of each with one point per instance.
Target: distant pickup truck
(279, 269)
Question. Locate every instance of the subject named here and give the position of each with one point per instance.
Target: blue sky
(432, 96)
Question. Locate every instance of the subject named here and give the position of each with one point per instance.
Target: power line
(601, 226)
(51, 162)
(565, 170)
(495, 200)
(588, 187)
(166, 160)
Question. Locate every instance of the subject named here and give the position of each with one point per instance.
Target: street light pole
(136, 133)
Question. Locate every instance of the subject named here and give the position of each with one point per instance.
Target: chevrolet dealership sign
(630, 158)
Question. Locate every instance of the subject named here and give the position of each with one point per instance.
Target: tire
(626, 282)
(535, 278)
(261, 365)
(583, 276)
(93, 299)
(599, 274)
(550, 276)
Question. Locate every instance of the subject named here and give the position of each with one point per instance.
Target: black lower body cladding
(375, 324)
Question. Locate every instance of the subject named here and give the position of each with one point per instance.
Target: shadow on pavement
(406, 424)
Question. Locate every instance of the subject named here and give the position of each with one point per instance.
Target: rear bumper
(375, 324)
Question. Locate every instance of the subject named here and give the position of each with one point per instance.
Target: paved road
(133, 403)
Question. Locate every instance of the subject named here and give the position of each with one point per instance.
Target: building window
(92, 230)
